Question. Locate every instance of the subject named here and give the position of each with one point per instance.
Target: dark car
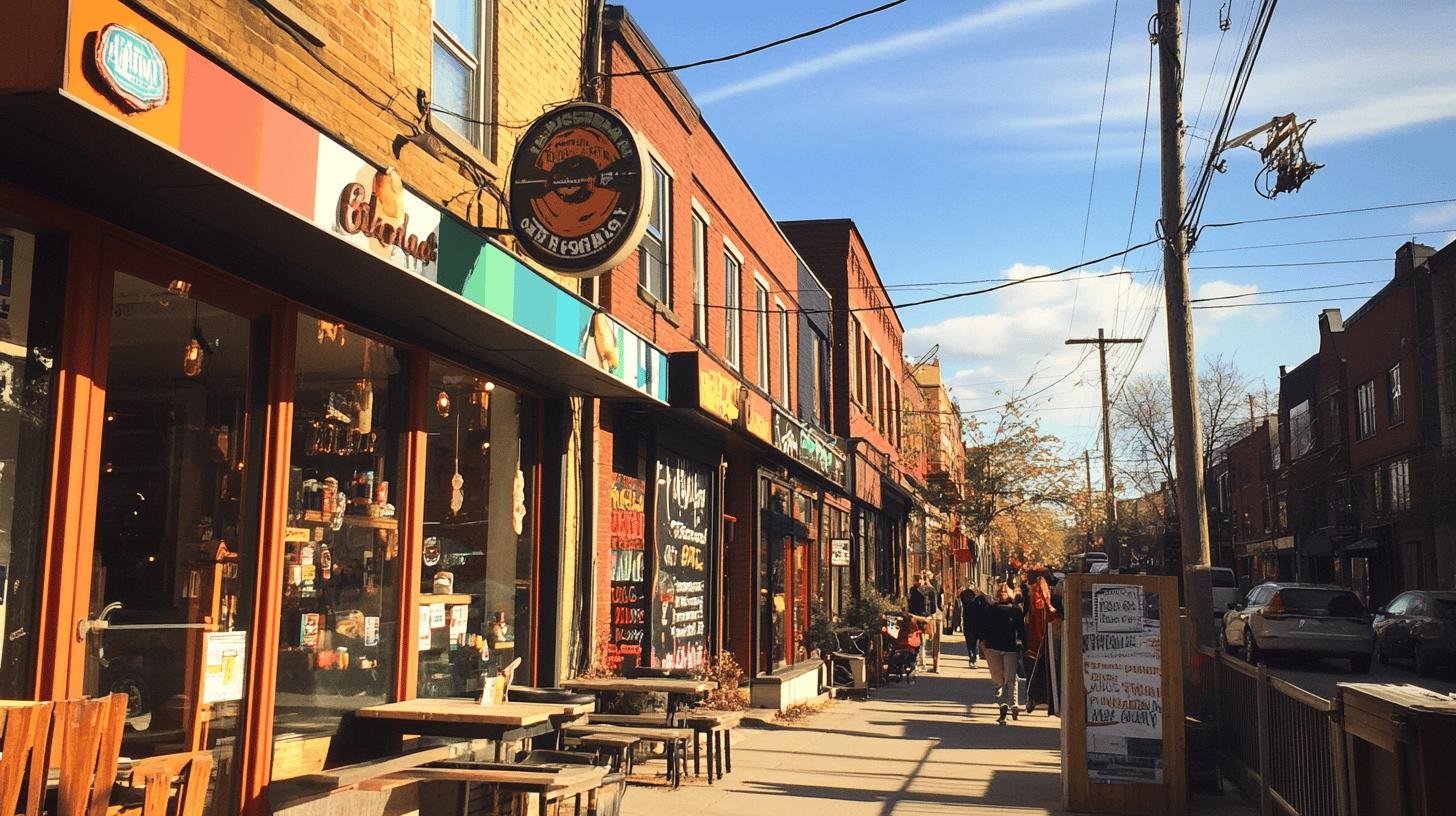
(1420, 626)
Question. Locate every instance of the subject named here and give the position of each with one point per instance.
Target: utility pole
(1110, 542)
(1087, 460)
(1192, 514)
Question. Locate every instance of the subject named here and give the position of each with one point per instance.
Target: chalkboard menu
(683, 531)
(629, 601)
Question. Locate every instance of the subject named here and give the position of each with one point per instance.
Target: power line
(1328, 240)
(1283, 291)
(1330, 212)
(1278, 303)
(756, 49)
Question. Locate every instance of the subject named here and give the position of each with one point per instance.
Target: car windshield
(1322, 602)
(1446, 608)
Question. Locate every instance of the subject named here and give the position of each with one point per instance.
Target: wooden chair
(85, 745)
(27, 727)
(193, 772)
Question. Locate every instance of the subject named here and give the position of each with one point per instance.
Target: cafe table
(675, 688)
(503, 723)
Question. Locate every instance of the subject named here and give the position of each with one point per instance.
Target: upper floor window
(700, 278)
(733, 280)
(1365, 410)
(461, 70)
(856, 362)
(1301, 436)
(1392, 487)
(654, 264)
(1395, 398)
(760, 311)
(784, 356)
(821, 380)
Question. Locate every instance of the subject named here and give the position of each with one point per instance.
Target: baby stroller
(902, 648)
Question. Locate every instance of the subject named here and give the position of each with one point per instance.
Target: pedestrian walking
(971, 604)
(1003, 633)
(937, 620)
(1042, 615)
(923, 606)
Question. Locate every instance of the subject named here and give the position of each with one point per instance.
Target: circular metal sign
(579, 190)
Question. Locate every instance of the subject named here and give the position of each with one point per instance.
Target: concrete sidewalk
(931, 747)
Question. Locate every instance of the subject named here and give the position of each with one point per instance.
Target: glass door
(176, 513)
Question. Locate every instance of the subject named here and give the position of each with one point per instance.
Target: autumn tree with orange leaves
(1019, 488)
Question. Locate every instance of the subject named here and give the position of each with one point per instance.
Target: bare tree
(1144, 422)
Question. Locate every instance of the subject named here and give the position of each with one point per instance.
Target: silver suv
(1312, 620)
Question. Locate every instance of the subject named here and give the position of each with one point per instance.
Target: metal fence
(1284, 746)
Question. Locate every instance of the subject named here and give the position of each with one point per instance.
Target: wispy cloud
(1009, 13)
(1435, 218)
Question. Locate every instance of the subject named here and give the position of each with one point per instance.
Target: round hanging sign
(579, 190)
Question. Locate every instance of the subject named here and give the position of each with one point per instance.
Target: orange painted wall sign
(718, 393)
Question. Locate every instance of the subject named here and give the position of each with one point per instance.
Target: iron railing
(1283, 745)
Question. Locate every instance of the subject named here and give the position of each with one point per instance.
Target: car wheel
(1360, 664)
(1423, 661)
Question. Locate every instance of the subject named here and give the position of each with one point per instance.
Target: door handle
(86, 627)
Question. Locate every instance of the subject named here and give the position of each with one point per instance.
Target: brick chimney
(1410, 256)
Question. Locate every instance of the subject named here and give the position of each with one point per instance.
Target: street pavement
(1321, 676)
(929, 748)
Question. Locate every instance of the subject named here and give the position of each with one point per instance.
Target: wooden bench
(355, 788)
(675, 740)
(549, 783)
(717, 725)
(648, 719)
(617, 748)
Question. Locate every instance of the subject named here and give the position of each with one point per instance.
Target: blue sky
(960, 137)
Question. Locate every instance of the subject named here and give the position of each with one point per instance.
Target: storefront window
(31, 271)
(477, 560)
(339, 624)
(772, 568)
(176, 515)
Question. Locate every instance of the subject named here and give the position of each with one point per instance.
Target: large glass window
(31, 271)
(655, 264)
(340, 628)
(459, 88)
(478, 557)
(176, 513)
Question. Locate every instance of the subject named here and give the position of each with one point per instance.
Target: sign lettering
(130, 68)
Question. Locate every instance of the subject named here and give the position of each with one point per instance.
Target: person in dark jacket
(972, 604)
(1003, 633)
(923, 606)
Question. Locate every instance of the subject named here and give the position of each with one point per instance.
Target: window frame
(762, 341)
(732, 307)
(700, 273)
(1365, 410)
(1394, 397)
(657, 237)
(481, 65)
(785, 355)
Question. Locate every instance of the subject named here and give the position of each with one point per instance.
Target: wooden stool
(717, 725)
(617, 747)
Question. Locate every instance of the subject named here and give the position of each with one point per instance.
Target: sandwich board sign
(1122, 723)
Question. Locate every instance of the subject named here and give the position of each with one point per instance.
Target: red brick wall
(1374, 341)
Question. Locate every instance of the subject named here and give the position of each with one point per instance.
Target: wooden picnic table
(676, 688)
(454, 717)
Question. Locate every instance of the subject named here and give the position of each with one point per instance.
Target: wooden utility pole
(1188, 450)
(1087, 460)
(1109, 538)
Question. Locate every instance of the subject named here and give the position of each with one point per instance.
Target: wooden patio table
(453, 717)
(674, 687)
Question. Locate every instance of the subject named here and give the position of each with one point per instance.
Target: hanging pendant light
(442, 405)
(192, 358)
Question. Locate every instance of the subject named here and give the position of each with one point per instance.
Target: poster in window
(629, 602)
(679, 593)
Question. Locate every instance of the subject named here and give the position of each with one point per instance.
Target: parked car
(1420, 626)
(1083, 562)
(1307, 620)
(1225, 590)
